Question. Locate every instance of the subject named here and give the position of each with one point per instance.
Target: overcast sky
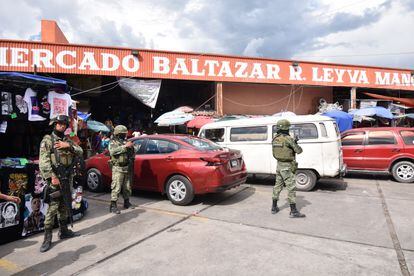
(370, 32)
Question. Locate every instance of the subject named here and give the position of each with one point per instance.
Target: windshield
(201, 144)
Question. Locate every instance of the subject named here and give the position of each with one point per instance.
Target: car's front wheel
(305, 180)
(179, 190)
(403, 171)
(94, 180)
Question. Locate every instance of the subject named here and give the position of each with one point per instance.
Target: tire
(403, 172)
(179, 190)
(94, 180)
(305, 180)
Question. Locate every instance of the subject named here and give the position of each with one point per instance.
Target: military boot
(128, 204)
(275, 209)
(294, 213)
(113, 208)
(47, 242)
(65, 233)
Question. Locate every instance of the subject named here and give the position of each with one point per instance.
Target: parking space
(346, 232)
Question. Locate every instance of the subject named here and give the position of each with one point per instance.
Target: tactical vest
(281, 150)
(120, 160)
(60, 156)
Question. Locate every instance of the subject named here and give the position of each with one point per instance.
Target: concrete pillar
(219, 98)
(353, 98)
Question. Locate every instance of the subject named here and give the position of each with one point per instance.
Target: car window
(138, 144)
(323, 130)
(201, 144)
(408, 137)
(338, 133)
(301, 131)
(155, 146)
(238, 134)
(214, 134)
(353, 139)
(381, 137)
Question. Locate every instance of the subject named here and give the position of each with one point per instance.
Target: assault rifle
(63, 174)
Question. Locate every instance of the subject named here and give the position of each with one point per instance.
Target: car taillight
(212, 161)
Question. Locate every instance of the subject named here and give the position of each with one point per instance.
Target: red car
(382, 150)
(178, 165)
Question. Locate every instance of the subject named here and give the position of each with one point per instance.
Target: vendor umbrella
(97, 126)
(378, 111)
(173, 118)
(199, 121)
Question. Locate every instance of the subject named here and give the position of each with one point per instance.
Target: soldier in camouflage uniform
(55, 148)
(122, 153)
(285, 149)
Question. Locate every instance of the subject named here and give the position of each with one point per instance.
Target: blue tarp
(343, 119)
(35, 79)
(378, 111)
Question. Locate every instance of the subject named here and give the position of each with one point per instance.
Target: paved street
(353, 226)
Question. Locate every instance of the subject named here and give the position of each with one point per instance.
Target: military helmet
(120, 129)
(283, 124)
(61, 119)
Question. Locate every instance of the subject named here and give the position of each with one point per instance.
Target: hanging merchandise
(59, 104)
(18, 184)
(45, 111)
(34, 214)
(33, 105)
(6, 103)
(144, 90)
(10, 214)
(3, 127)
(20, 104)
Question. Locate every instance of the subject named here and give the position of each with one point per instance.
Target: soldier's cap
(61, 119)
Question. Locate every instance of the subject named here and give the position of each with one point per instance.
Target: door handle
(396, 150)
(169, 158)
(358, 150)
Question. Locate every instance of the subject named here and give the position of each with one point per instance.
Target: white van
(318, 136)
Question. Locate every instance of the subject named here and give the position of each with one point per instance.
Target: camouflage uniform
(121, 179)
(46, 162)
(285, 149)
(286, 169)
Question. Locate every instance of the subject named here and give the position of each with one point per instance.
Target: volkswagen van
(318, 136)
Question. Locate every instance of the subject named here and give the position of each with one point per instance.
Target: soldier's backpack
(281, 150)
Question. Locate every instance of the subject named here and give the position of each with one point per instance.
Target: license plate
(234, 163)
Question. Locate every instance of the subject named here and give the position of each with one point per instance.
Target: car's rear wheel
(94, 180)
(403, 171)
(305, 180)
(179, 190)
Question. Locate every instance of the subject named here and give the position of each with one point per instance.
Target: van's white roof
(268, 120)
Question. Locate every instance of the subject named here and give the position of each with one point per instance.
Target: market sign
(94, 60)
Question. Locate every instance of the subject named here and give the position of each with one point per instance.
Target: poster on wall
(34, 214)
(10, 214)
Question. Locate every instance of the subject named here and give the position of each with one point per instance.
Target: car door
(139, 145)
(156, 162)
(353, 149)
(380, 149)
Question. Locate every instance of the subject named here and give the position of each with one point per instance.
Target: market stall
(27, 104)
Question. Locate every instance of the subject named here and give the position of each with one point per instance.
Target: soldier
(284, 150)
(57, 151)
(122, 153)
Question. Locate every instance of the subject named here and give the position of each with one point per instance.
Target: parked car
(318, 136)
(387, 150)
(178, 165)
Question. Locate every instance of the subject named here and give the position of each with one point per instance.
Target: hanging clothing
(59, 104)
(33, 105)
(6, 103)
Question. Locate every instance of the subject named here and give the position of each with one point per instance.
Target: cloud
(274, 29)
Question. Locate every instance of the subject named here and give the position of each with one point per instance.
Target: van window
(408, 137)
(301, 131)
(353, 139)
(238, 134)
(323, 130)
(214, 134)
(381, 137)
(338, 133)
